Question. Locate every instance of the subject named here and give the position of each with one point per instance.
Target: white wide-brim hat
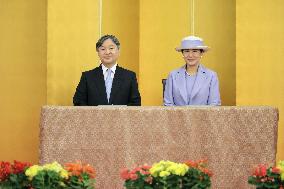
(192, 42)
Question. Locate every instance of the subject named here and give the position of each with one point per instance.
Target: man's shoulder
(119, 70)
(125, 71)
(91, 72)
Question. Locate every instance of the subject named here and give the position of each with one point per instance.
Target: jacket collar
(200, 79)
(201, 76)
(115, 83)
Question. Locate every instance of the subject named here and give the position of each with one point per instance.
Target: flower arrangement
(12, 176)
(264, 176)
(168, 174)
(81, 176)
(49, 176)
(138, 177)
(197, 176)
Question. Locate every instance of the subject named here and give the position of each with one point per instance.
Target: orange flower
(78, 168)
(206, 171)
(190, 163)
(201, 165)
(275, 170)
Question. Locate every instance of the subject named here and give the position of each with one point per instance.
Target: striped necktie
(108, 83)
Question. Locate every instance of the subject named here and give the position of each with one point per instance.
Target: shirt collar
(199, 68)
(113, 68)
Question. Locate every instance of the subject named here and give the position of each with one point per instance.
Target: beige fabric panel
(233, 139)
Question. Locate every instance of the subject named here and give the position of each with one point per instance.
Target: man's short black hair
(105, 37)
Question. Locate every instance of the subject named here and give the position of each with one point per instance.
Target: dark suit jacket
(91, 90)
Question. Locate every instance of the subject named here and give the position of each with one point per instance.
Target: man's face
(108, 53)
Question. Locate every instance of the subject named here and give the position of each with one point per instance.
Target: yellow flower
(157, 168)
(53, 167)
(64, 174)
(280, 166)
(178, 169)
(165, 168)
(164, 173)
(32, 171)
(57, 168)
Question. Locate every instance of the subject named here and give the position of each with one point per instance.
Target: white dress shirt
(112, 71)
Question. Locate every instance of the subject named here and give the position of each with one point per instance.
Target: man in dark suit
(107, 84)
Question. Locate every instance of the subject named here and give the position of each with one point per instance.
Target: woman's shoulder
(177, 71)
(207, 70)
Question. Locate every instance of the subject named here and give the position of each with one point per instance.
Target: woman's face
(192, 56)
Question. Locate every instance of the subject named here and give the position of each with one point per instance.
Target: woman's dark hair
(105, 37)
(201, 50)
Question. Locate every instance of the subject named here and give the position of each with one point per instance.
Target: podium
(232, 139)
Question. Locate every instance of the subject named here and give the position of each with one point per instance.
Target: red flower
(5, 170)
(19, 167)
(133, 176)
(136, 169)
(124, 174)
(260, 171)
(144, 172)
(146, 167)
(275, 170)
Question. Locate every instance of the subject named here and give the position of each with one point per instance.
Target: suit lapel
(116, 83)
(182, 84)
(100, 83)
(200, 79)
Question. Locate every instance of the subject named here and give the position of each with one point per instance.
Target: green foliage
(139, 183)
(74, 182)
(196, 179)
(193, 179)
(270, 180)
(15, 181)
(171, 181)
(47, 179)
(20, 175)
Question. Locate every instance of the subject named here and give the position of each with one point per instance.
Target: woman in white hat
(192, 84)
